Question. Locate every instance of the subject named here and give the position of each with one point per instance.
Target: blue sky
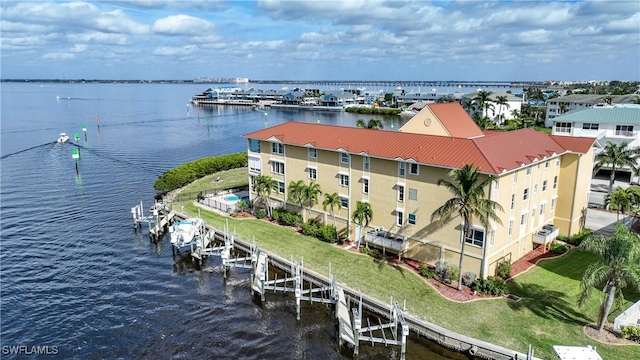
(326, 39)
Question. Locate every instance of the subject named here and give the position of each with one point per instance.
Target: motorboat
(185, 234)
(62, 138)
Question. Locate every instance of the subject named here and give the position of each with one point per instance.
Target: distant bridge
(408, 83)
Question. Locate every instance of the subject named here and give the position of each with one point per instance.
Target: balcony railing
(386, 240)
(563, 130)
(625, 133)
(547, 234)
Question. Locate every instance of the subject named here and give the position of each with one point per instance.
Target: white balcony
(386, 239)
(547, 234)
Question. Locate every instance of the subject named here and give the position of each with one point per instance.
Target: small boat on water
(186, 233)
(62, 138)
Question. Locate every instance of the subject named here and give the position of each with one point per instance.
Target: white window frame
(281, 187)
(513, 201)
(402, 171)
(515, 176)
(558, 161)
(366, 163)
(510, 230)
(400, 192)
(399, 217)
(527, 171)
(365, 185)
(553, 204)
(412, 221)
(342, 201)
(255, 164)
(314, 171)
(344, 180)
(313, 153)
(417, 168)
(525, 194)
(277, 148)
(345, 158)
(544, 186)
(555, 182)
(254, 141)
(275, 167)
(472, 240)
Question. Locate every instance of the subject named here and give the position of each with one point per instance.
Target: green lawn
(547, 315)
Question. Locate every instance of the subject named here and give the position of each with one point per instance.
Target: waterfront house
(538, 182)
(503, 112)
(563, 104)
(615, 123)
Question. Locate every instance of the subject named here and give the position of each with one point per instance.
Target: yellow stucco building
(542, 182)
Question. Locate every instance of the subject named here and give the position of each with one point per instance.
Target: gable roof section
(492, 154)
(457, 122)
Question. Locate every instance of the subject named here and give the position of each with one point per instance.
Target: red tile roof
(456, 120)
(492, 154)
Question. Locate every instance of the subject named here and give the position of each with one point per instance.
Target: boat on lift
(185, 234)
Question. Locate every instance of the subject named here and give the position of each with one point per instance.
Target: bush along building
(541, 182)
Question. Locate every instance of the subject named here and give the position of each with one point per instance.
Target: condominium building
(564, 104)
(541, 182)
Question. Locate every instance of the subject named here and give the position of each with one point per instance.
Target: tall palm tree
(483, 122)
(563, 107)
(468, 106)
(330, 202)
(264, 186)
(468, 202)
(501, 101)
(616, 156)
(362, 215)
(484, 101)
(372, 124)
(310, 195)
(294, 192)
(619, 200)
(617, 266)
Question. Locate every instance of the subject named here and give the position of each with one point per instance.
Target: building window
(413, 194)
(624, 130)
(414, 169)
(542, 206)
(366, 163)
(313, 173)
(277, 148)
(476, 238)
(544, 186)
(555, 182)
(401, 169)
(277, 167)
(365, 185)
(546, 164)
(535, 189)
(344, 180)
(527, 171)
(400, 192)
(525, 195)
(281, 187)
(513, 201)
(313, 153)
(523, 219)
(254, 145)
(557, 162)
(510, 227)
(590, 126)
(515, 176)
(412, 219)
(553, 204)
(344, 158)
(563, 127)
(344, 201)
(399, 218)
(255, 164)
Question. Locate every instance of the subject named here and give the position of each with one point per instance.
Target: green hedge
(186, 173)
(378, 111)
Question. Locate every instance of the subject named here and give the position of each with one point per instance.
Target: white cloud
(182, 25)
(175, 50)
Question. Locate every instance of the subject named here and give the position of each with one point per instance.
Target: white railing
(627, 318)
(625, 133)
(563, 130)
(386, 239)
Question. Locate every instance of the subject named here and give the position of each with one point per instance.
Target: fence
(194, 195)
(630, 317)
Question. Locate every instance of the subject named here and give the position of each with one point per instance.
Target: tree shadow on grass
(547, 304)
(383, 264)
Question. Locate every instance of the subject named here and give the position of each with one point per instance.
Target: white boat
(62, 138)
(185, 234)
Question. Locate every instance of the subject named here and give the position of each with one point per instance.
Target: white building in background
(564, 104)
(513, 103)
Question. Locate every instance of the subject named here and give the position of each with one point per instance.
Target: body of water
(74, 276)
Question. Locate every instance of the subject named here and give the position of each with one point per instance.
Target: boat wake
(25, 150)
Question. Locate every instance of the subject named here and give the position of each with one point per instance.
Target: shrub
(577, 238)
(503, 269)
(329, 234)
(288, 218)
(453, 272)
(443, 270)
(558, 248)
(563, 238)
(186, 173)
(326, 233)
(371, 252)
(242, 205)
(261, 214)
(491, 286)
(469, 278)
(426, 271)
(631, 333)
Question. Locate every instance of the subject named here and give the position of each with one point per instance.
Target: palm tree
(310, 195)
(619, 200)
(563, 107)
(294, 192)
(362, 215)
(483, 99)
(469, 202)
(468, 106)
(330, 202)
(617, 266)
(263, 187)
(636, 100)
(372, 124)
(483, 122)
(501, 101)
(616, 156)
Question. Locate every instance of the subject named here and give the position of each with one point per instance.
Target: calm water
(74, 274)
